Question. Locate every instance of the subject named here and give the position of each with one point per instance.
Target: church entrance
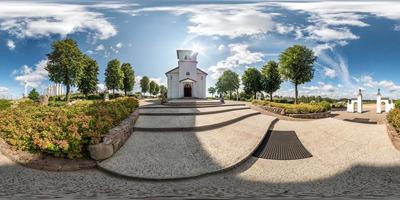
(187, 90)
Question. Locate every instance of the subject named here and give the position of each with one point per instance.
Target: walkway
(171, 142)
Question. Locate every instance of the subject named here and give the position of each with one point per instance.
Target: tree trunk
(296, 93)
(113, 91)
(230, 95)
(126, 92)
(270, 96)
(237, 94)
(67, 93)
(255, 95)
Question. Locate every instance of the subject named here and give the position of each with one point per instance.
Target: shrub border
(114, 139)
(281, 111)
(42, 161)
(393, 135)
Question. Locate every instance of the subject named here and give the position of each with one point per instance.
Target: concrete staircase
(188, 140)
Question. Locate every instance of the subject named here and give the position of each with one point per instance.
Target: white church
(186, 80)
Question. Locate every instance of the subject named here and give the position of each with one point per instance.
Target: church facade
(186, 80)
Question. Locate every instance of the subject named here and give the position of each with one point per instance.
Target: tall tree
(87, 82)
(129, 77)
(252, 81)
(152, 86)
(296, 65)
(65, 63)
(33, 95)
(163, 90)
(212, 91)
(228, 82)
(144, 84)
(114, 75)
(272, 79)
(156, 89)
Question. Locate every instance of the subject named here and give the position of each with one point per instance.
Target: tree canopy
(114, 75)
(33, 95)
(272, 78)
(252, 81)
(144, 84)
(228, 82)
(87, 82)
(156, 89)
(212, 90)
(65, 63)
(163, 91)
(129, 77)
(152, 86)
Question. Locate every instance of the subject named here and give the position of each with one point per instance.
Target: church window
(187, 73)
(201, 77)
(171, 77)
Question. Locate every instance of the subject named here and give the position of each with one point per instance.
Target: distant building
(55, 90)
(186, 80)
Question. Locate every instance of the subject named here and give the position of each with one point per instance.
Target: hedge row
(394, 118)
(63, 131)
(4, 104)
(302, 108)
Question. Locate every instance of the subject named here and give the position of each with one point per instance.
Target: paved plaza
(349, 160)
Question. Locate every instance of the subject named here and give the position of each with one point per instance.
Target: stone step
(191, 122)
(191, 111)
(175, 155)
(189, 106)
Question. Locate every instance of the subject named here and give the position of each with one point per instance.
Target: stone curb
(281, 112)
(114, 139)
(393, 135)
(233, 166)
(44, 162)
(195, 113)
(197, 128)
(191, 106)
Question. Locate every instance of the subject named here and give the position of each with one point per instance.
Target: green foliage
(296, 65)
(114, 75)
(87, 82)
(272, 78)
(212, 91)
(163, 91)
(228, 82)
(144, 84)
(393, 118)
(65, 63)
(33, 95)
(63, 131)
(129, 77)
(156, 89)
(301, 108)
(152, 87)
(252, 81)
(4, 104)
(397, 103)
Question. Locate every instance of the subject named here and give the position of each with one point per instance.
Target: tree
(252, 81)
(152, 86)
(33, 95)
(296, 65)
(65, 63)
(212, 91)
(272, 79)
(163, 91)
(114, 75)
(156, 89)
(144, 84)
(87, 82)
(228, 82)
(129, 77)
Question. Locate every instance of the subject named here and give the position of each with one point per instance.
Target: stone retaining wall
(281, 111)
(114, 139)
(393, 135)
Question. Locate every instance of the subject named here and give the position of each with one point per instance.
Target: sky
(357, 42)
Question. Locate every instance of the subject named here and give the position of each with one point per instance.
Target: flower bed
(394, 119)
(301, 108)
(63, 131)
(4, 104)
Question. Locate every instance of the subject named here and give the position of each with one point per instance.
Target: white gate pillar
(359, 102)
(379, 102)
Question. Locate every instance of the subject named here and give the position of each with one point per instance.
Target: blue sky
(357, 42)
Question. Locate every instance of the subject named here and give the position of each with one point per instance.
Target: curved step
(192, 122)
(178, 155)
(190, 111)
(187, 106)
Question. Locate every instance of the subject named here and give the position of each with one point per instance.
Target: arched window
(171, 77)
(201, 77)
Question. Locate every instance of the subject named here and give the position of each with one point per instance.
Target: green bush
(301, 108)
(394, 118)
(397, 103)
(63, 131)
(4, 104)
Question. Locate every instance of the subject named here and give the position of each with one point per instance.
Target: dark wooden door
(187, 91)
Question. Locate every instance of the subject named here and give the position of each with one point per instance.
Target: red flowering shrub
(63, 131)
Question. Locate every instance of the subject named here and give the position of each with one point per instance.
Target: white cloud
(10, 44)
(221, 47)
(239, 55)
(119, 45)
(4, 92)
(331, 73)
(396, 28)
(42, 19)
(100, 48)
(326, 34)
(387, 85)
(232, 20)
(32, 75)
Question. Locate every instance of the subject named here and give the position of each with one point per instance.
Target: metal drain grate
(282, 145)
